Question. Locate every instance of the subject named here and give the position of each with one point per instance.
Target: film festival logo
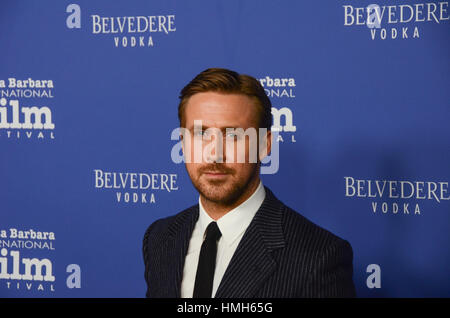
(281, 89)
(22, 113)
(125, 31)
(399, 21)
(22, 273)
(397, 197)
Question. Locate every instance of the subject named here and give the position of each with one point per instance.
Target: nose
(214, 150)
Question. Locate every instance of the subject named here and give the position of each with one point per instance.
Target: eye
(233, 136)
(199, 133)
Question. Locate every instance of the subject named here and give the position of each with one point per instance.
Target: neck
(217, 210)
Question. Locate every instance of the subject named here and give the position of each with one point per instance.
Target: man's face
(224, 170)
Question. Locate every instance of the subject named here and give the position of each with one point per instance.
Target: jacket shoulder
(159, 229)
(328, 258)
(296, 226)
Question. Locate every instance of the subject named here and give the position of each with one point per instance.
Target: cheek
(243, 170)
(193, 150)
(242, 151)
(192, 169)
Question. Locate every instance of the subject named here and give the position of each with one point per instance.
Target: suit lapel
(180, 232)
(252, 262)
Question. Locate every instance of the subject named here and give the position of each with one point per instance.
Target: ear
(182, 142)
(266, 145)
(185, 137)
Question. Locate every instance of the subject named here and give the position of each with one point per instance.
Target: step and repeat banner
(88, 106)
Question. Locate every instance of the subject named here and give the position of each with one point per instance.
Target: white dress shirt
(232, 226)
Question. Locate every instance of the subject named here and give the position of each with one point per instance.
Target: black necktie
(207, 263)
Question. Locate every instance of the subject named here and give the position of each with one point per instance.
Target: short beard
(222, 195)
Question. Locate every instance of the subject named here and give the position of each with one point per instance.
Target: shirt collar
(236, 221)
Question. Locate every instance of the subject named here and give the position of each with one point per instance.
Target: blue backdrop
(89, 94)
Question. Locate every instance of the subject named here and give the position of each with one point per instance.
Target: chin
(219, 194)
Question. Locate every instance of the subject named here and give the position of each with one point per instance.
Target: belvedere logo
(126, 31)
(399, 21)
(133, 187)
(396, 197)
(133, 31)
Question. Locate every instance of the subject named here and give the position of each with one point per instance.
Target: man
(239, 241)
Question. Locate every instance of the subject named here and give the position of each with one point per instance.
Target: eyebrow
(203, 127)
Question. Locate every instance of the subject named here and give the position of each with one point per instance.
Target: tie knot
(213, 232)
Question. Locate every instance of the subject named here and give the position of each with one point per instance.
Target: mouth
(215, 174)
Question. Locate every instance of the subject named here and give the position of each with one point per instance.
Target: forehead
(221, 110)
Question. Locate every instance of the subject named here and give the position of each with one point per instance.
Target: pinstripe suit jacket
(282, 255)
